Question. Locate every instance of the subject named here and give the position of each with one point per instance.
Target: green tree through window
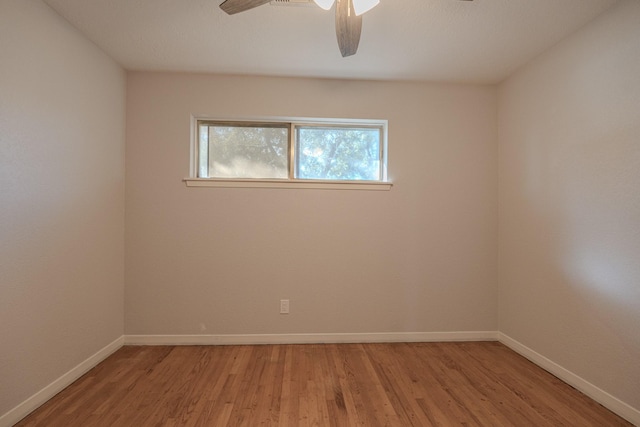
(292, 151)
(338, 153)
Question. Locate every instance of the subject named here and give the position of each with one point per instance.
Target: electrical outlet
(284, 306)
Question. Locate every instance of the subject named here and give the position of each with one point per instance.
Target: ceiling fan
(348, 18)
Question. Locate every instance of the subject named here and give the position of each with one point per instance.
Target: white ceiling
(482, 41)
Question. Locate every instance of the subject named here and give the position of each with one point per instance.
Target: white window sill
(283, 183)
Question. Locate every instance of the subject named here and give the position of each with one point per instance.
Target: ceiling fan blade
(348, 27)
(237, 6)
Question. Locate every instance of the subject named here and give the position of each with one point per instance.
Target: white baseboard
(35, 401)
(614, 404)
(309, 338)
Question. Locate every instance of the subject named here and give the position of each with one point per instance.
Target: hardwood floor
(408, 384)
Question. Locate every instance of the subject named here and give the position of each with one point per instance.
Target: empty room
(320, 213)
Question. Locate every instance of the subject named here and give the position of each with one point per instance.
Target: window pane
(338, 153)
(248, 151)
(203, 150)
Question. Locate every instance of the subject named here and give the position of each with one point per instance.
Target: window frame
(291, 182)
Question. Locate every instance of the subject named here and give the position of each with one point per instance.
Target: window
(239, 150)
(341, 153)
(318, 153)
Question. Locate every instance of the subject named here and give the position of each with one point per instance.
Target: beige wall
(419, 258)
(570, 203)
(61, 199)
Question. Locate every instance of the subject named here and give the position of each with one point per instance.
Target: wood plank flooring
(407, 384)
